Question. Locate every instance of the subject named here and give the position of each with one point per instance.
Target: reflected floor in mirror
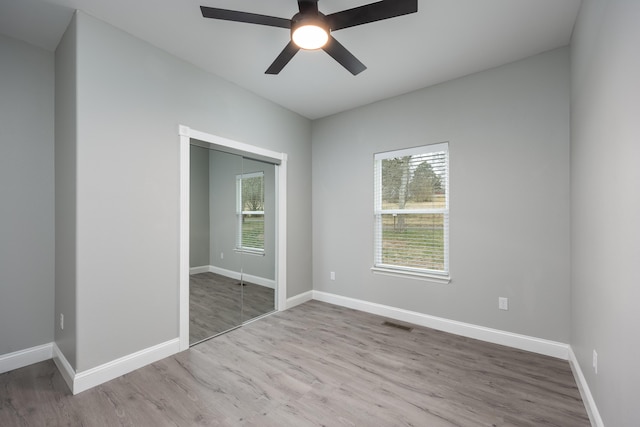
(218, 303)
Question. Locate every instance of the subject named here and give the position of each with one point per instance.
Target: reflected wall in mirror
(232, 241)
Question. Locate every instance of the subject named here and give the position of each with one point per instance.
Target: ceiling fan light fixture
(310, 29)
(310, 33)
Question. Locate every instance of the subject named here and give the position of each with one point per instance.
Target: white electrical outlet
(221, 255)
(595, 361)
(333, 275)
(61, 321)
(503, 303)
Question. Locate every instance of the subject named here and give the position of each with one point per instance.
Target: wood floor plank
(316, 364)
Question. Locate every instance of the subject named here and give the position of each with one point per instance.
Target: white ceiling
(446, 39)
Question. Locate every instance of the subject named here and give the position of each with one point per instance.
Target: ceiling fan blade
(308, 6)
(283, 59)
(343, 56)
(250, 18)
(378, 11)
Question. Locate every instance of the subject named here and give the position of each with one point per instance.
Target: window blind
(412, 210)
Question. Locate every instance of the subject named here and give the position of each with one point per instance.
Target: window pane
(412, 209)
(415, 240)
(253, 193)
(250, 211)
(253, 231)
(414, 182)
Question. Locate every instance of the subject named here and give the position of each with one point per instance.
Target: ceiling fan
(310, 29)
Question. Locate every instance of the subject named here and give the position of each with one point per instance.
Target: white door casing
(280, 160)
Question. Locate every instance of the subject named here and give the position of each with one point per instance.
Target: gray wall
(26, 195)
(223, 170)
(508, 133)
(605, 204)
(199, 207)
(65, 193)
(131, 98)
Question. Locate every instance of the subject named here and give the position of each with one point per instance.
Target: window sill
(412, 275)
(249, 252)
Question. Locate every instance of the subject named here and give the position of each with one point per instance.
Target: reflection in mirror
(255, 236)
(232, 241)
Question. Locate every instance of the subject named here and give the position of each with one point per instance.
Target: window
(412, 211)
(250, 212)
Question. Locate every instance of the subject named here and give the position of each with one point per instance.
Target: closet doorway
(232, 235)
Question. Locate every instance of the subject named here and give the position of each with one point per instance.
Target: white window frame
(240, 213)
(411, 272)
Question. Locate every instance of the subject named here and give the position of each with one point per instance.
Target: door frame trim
(280, 161)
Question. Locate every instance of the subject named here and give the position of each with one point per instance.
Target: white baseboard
(496, 336)
(585, 392)
(20, 359)
(198, 270)
(269, 283)
(299, 299)
(100, 374)
(81, 381)
(64, 367)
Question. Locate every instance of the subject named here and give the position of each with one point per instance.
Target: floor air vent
(398, 326)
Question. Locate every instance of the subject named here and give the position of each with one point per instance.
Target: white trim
(268, 283)
(200, 269)
(224, 272)
(64, 367)
(81, 381)
(183, 297)
(423, 149)
(281, 233)
(280, 159)
(496, 336)
(380, 211)
(100, 374)
(29, 356)
(248, 251)
(299, 299)
(442, 279)
(187, 132)
(585, 392)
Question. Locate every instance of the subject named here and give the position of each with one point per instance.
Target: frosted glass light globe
(310, 37)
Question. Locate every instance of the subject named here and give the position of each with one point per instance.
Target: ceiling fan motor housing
(316, 21)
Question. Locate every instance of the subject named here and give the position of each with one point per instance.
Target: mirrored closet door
(232, 240)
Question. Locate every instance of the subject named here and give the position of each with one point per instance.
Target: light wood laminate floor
(315, 364)
(218, 303)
